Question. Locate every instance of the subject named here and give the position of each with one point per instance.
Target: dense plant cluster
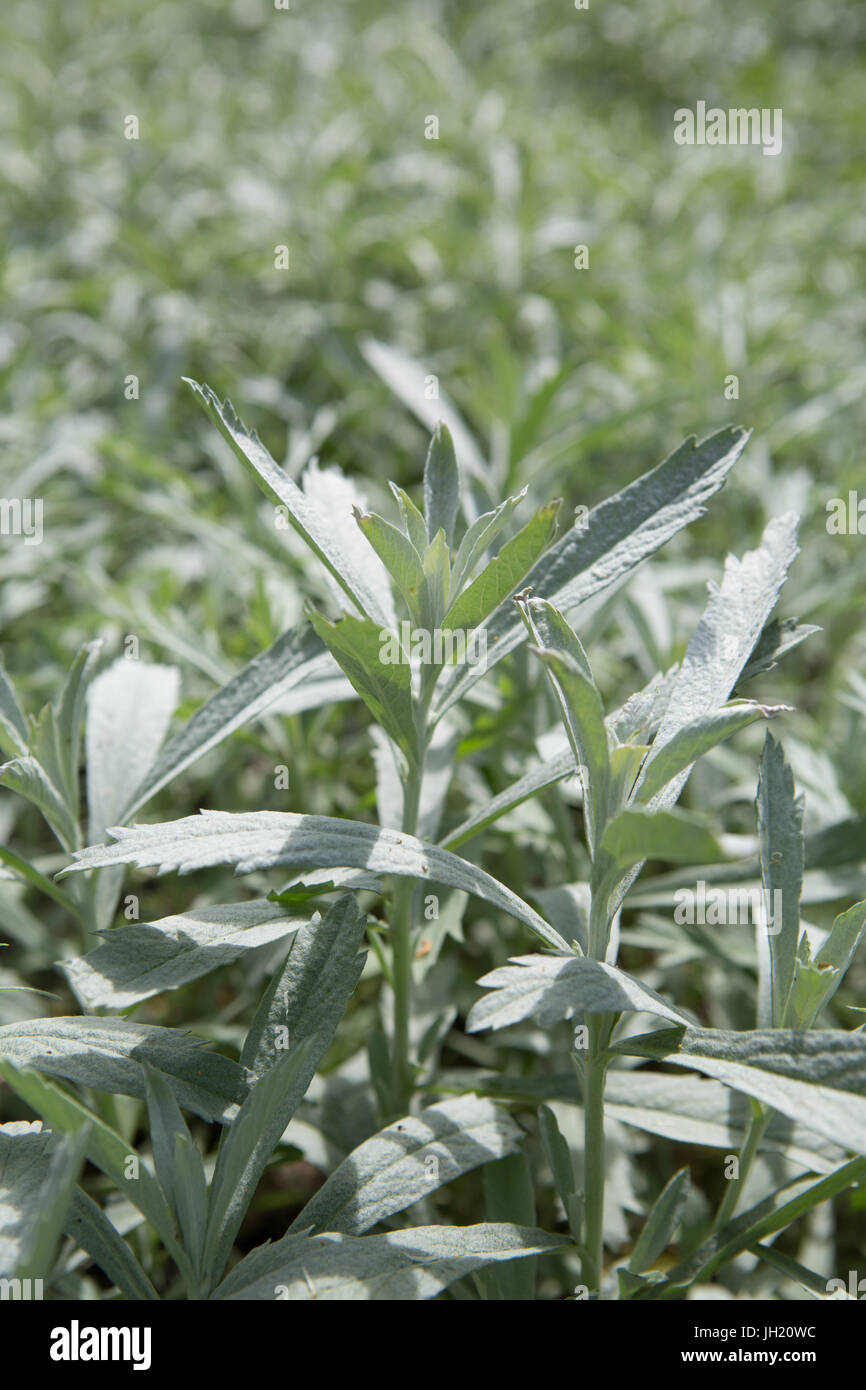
(402, 892)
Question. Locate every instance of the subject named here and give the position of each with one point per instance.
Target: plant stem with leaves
(401, 948)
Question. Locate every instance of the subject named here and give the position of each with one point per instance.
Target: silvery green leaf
(399, 557)
(407, 1161)
(190, 1197)
(697, 1110)
(25, 1159)
(551, 631)
(630, 1284)
(810, 988)
(619, 533)
(145, 958)
(27, 777)
(437, 580)
(246, 1147)
(583, 716)
(109, 1054)
(726, 635)
(838, 950)
(52, 1204)
(69, 718)
(311, 521)
(625, 764)
(336, 498)
(636, 835)
(45, 750)
(661, 1224)
(774, 1213)
(780, 826)
(105, 1149)
(779, 635)
(639, 718)
(256, 1268)
(297, 659)
(269, 839)
(413, 520)
(441, 485)
(129, 707)
(14, 734)
(293, 1027)
(166, 1123)
(402, 1266)
(385, 686)
(695, 738)
(567, 908)
(90, 1229)
(808, 1280)
(829, 1057)
(509, 1192)
(307, 996)
(551, 988)
(503, 573)
(816, 1078)
(479, 536)
(557, 1153)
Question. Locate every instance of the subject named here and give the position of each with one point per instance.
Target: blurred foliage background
(306, 127)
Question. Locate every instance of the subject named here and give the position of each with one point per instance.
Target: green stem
(758, 1122)
(599, 1028)
(599, 923)
(401, 955)
(594, 1152)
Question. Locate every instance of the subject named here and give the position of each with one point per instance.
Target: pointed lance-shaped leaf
(308, 520)
(551, 988)
(400, 1266)
(376, 665)
(270, 839)
(505, 571)
(618, 535)
(441, 485)
(407, 1161)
